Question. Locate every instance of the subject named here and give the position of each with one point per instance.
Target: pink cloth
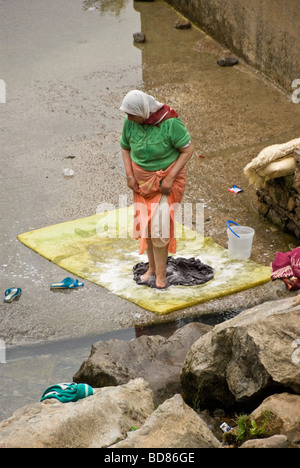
(286, 266)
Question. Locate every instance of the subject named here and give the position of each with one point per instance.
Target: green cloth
(68, 392)
(154, 147)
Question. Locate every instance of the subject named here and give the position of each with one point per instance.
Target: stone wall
(279, 201)
(264, 33)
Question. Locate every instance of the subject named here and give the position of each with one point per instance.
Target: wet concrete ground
(67, 66)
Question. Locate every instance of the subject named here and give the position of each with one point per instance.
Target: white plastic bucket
(240, 240)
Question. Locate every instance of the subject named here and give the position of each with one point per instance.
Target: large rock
(274, 424)
(243, 360)
(154, 358)
(284, 414)
(172, 425)
(276, 441)
(96, 421)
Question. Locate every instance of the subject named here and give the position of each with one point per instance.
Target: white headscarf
(141, 104)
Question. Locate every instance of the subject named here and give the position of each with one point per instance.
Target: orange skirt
(147, 199)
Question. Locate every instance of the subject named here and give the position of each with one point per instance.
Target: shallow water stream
(29, 370)
(67, 66)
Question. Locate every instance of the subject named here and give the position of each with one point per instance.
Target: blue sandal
(67, 283)
(12, 294)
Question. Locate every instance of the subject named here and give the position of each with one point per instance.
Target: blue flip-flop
(12, 294)
(67, 283)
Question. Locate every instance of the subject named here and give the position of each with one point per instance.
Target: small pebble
(139, 37)
(179, 24)
(227, 61)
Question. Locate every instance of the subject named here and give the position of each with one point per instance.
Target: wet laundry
(68, 392)
(180, 271)
(286, 266)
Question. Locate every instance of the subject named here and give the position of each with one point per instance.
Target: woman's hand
(131, 180)
(132, 183)
(166, 185)
(185, 154)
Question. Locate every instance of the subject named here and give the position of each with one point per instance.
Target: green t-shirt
(151, 147)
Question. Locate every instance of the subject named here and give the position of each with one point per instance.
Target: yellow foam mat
(100, 249)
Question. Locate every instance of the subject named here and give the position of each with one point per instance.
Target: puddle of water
(29, 370)
(64, 40)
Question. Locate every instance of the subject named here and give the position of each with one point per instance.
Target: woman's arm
(131, 181)
(185, 155)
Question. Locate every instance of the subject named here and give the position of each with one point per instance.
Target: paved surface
(66, 70)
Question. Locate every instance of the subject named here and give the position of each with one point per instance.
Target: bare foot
(147, 275)
(160, 283)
